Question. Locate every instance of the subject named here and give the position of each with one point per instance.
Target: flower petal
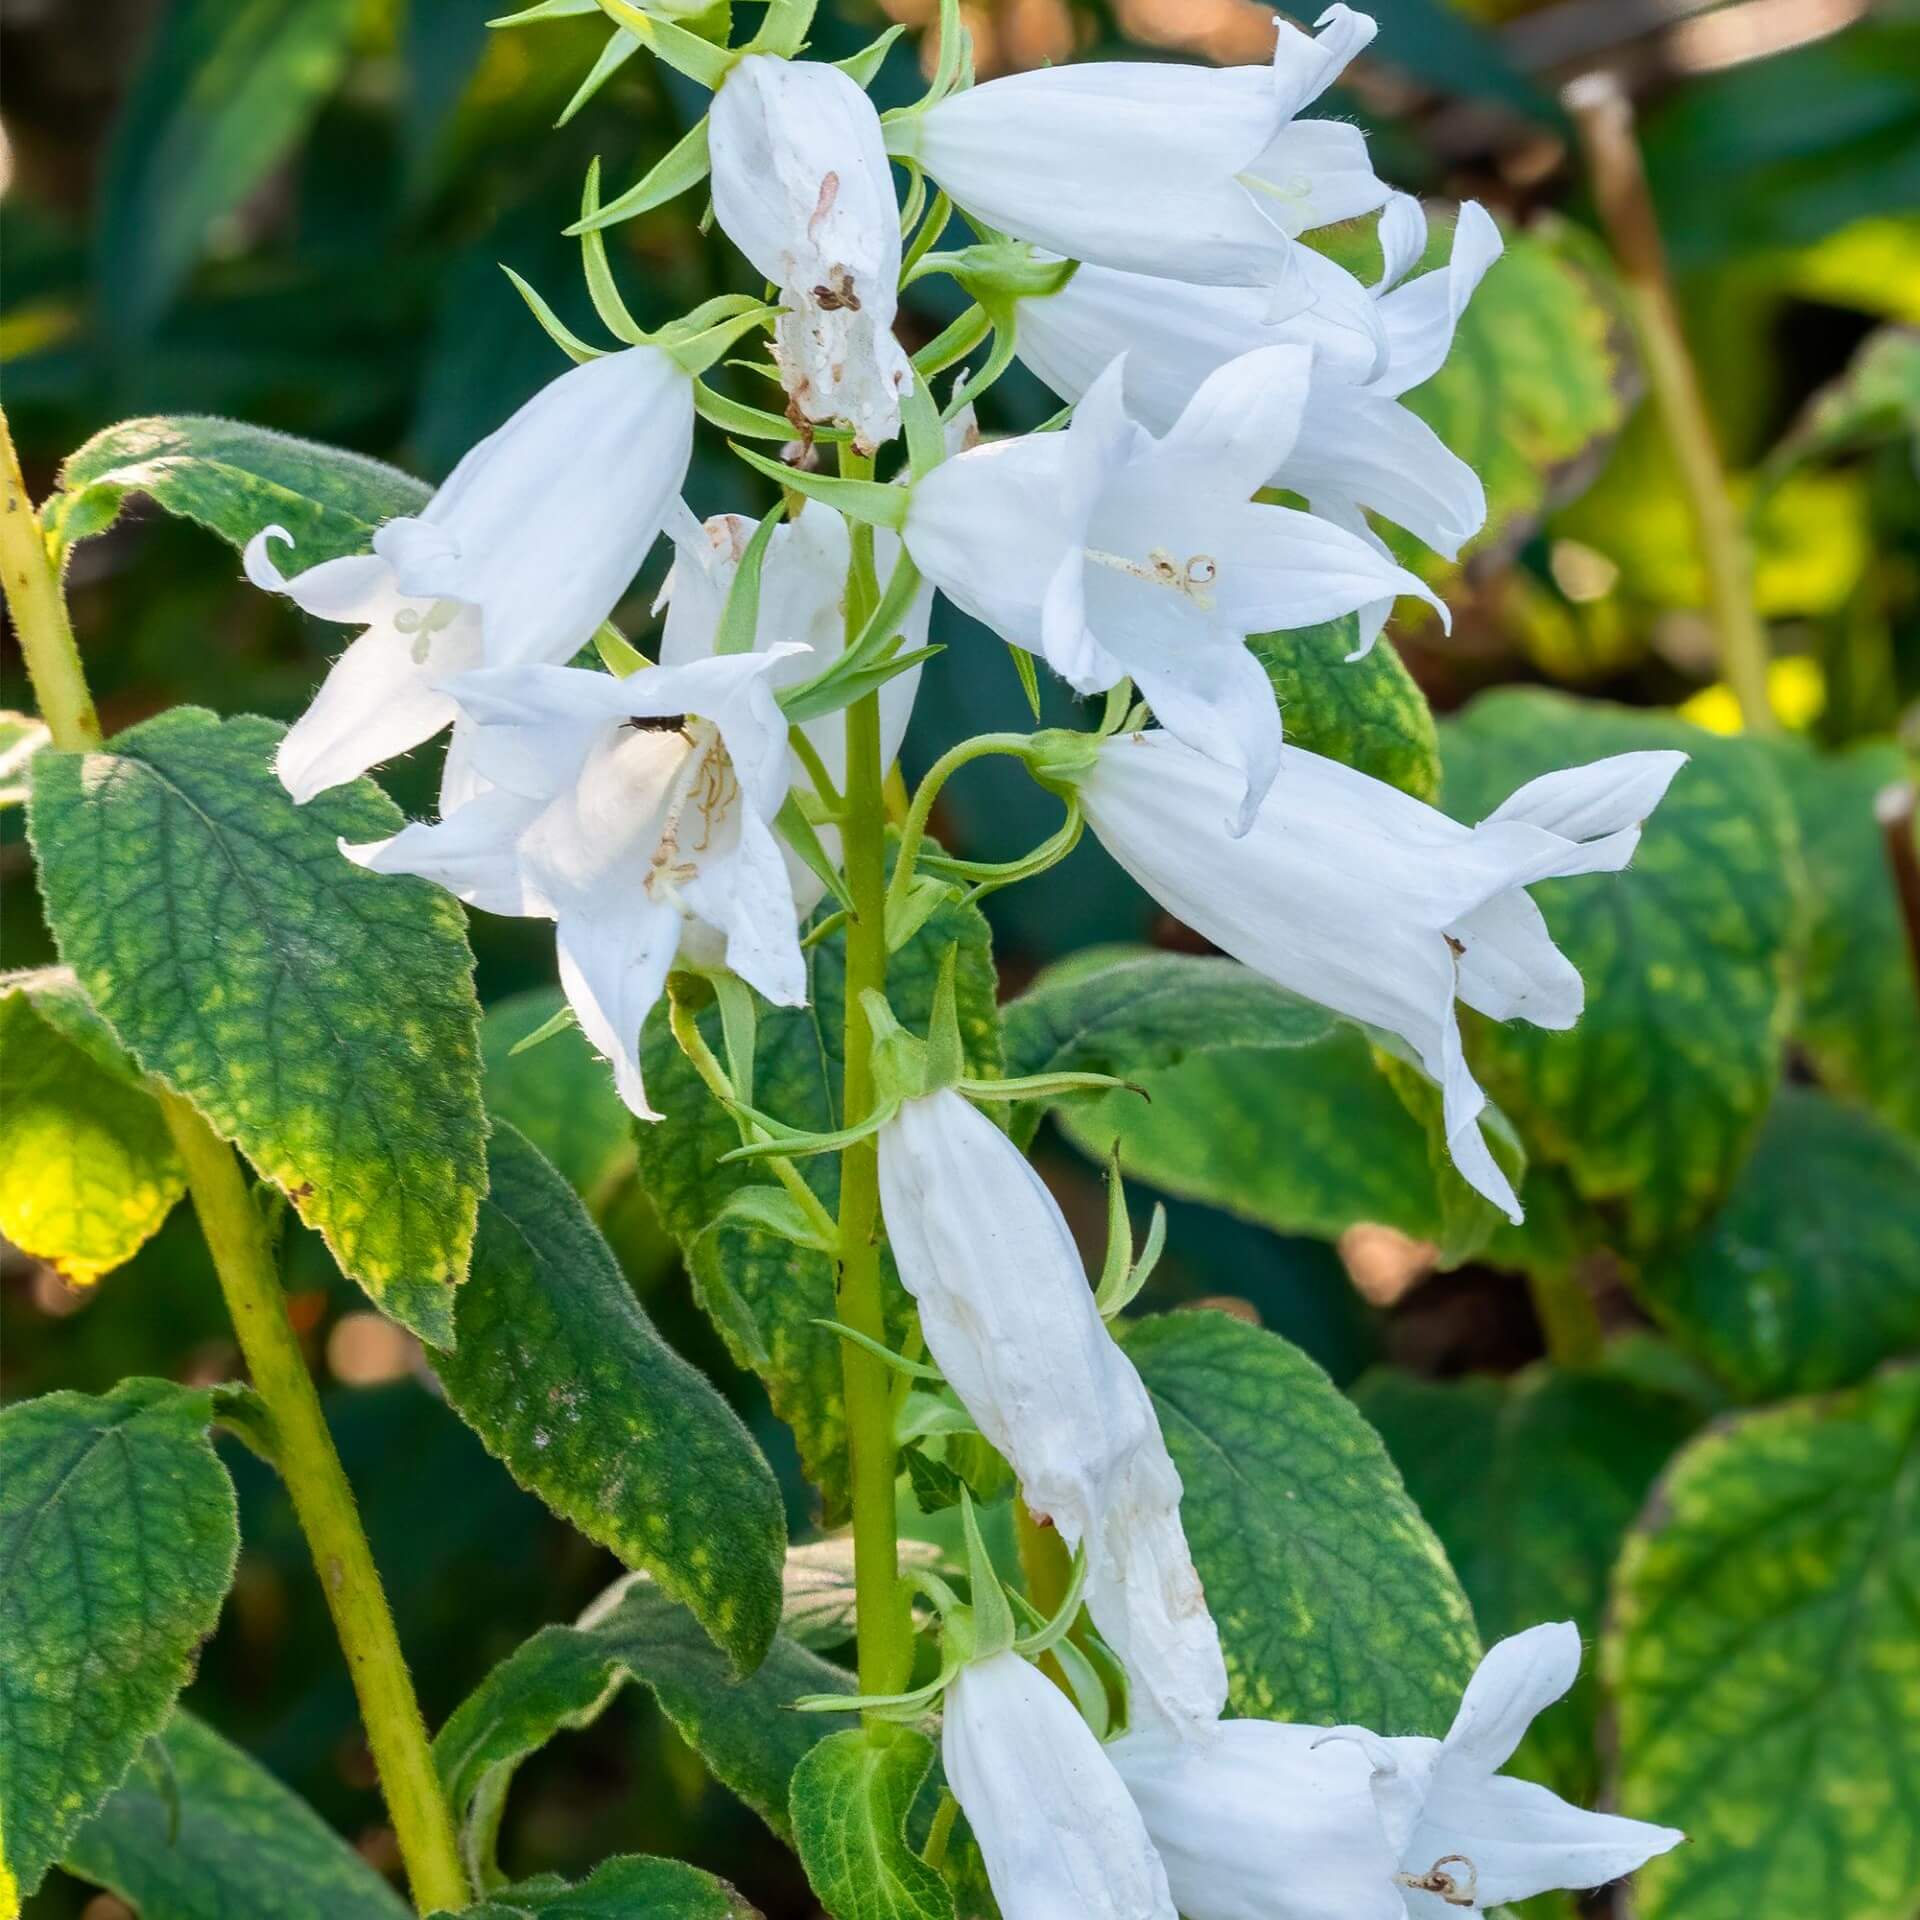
(747, 895)
(1520, 1678)
(474, 853)
(1242, 421)
(1356, 445)
(614, 961)
(1600, 801)
(1420, 316)
(1509, 968)
(1306, 64)
(1403, 239)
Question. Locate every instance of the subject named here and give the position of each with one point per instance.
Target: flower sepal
(999, 272)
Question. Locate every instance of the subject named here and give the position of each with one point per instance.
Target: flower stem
(885, 1628)
(1569, 1320)
(236, 1235)
(1604, 117)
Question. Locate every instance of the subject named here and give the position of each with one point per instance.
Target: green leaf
(320, 1015)
(200, 1830)
(1809, 1276)
(1651, 1102)
(226, 88)
(21, 737)
(564, 1677)
(1762, 1657)
(850, 1799)
(1876, 399)
(1531, 1484)
(1335, 1601)
(87, 1167)
(1858, 1018)
(1302, 1139)
(1535, 380)
(563, 1377)
(629, 1887)
(117, 1541)
(1368, 714)
(232, 479)
(763, 1293)
(558, 1093)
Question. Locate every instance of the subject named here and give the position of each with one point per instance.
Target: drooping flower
(1354, 894)
(1259, 1820)
(802, 187)
(1357, 448)
(635, 815)
(1010, 1320)
(1057, 1830)
(1471, 1836)
(1110, 553)
(1193, 173)
(517, 559)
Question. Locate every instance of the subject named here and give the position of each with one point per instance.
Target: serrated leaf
(118, 1534)
(1858, 1016)
(563, 1377)
(1334, 1600)
(321, 1016)
(87, 1168)
(1302, 1139)
(850, 1800)
(564, 1677)
(201, 1830)
(1652, 1101)
(763, 1293)
(559, 1094)
(225, 88)
(1368, 713)
(233, 479)
(630, 1887)
(1537, 378)
(1762, 1658)
(1531, 1484)
(1809, 1276)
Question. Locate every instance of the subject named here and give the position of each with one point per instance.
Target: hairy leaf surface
(850, 1802)
(629, 1887)
(321, 1016)
(117, 1541)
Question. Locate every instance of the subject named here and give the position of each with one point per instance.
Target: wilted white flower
(1194, 173)
(1060, 1837)
(517, 559)
(1010, 1320)
(1471, 1836)
(1112, 554)
(1258, 1820)
(635, 815)
(1354, 894)
(1356, 446)
(802, 187)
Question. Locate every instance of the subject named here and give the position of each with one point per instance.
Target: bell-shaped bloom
(1258, 1820)
(633, 813)
(802, 187)
(1353, 894)
(1357, 448)
(1111, 553)
(517, 559)
(1010, 1320)
(1468, 1835)
(1190, 172)
(1059, 1834)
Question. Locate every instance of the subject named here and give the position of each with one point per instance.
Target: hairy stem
(885, 1632)
(303, 1449)
(1604, 116)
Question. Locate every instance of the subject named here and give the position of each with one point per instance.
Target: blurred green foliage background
(295, 212)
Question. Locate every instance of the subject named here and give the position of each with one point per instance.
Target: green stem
(1603, 115)
(1568, 1318)
(937, 776)
(236, 1234)
(885, 1627)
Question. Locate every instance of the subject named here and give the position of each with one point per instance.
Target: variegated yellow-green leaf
(87, 1168)
(321, 1016)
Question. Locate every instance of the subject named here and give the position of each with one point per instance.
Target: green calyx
(1059, 759)
(998, 273)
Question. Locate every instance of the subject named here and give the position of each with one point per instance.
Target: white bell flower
(1259, 1820)
(635, 815)
(802, 187)
(1190, 172)
(517, 559)
(1469, 1836)
(1357, 896)
(1357, 447)
(1010, 1320)
(1110, 553)
(1061, 1838)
